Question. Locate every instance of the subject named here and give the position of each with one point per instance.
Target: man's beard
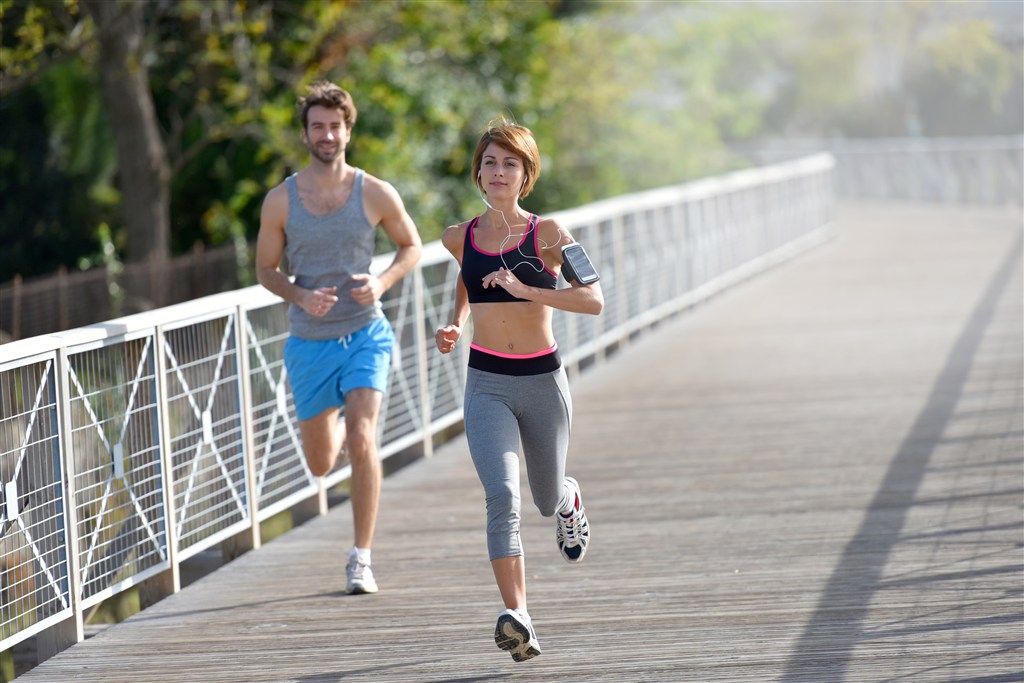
(325, 156)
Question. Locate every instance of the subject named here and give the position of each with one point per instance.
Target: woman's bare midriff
(516, 328)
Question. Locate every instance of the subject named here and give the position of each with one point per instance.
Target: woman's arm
(576, 298)
(447, 337)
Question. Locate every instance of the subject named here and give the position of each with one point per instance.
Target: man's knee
(319, 461)
(361, 447)
(321, 441)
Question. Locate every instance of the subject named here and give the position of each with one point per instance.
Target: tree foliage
(923, 68)
(621, 97)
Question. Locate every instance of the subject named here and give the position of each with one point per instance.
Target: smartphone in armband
(577, 264)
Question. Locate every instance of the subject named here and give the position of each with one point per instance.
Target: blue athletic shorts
(321, 371)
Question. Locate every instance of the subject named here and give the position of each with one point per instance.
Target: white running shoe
(360, 578)
(514, 633)
(572, 531)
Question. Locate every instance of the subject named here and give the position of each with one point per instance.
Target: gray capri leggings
(500, 410)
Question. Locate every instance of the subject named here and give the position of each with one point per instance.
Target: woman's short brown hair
(329, 95)
(514, 138)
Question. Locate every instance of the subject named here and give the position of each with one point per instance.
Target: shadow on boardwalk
(817, 476)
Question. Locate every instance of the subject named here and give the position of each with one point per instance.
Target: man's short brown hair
(329, 95)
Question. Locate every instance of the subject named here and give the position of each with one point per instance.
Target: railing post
(621, 282)
(251, 539)
(71, 630)
(157, 587)
(645, 277)
(695, 231)
(168, 582)
(420, 325)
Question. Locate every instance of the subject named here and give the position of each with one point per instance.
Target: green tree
(967, 82)
(56, 152)
(895, 69)
(224, 77)
(621, 96)
(144, 174)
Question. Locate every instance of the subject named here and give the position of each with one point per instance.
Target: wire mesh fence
(971, 170)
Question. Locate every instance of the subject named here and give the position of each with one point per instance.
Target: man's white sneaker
(572, 531)
(514, 633)
(360, 578)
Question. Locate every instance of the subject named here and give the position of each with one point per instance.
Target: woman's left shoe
(573, 531)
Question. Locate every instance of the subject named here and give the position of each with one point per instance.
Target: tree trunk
(143, 171)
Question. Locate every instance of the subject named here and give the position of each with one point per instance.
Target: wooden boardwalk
(817, 476)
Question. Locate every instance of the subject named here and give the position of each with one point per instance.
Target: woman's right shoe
(514, 634)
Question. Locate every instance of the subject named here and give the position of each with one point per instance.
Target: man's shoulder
(276, 198)
(380, 196)
(280, 189)
(372, 183)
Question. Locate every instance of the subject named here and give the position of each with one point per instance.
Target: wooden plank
(813, 478)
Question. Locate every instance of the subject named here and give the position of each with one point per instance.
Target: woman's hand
(506, 280)
(447, 337)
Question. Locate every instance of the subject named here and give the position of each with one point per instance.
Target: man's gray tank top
(325, 251)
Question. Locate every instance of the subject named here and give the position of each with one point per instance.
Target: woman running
(516, 388)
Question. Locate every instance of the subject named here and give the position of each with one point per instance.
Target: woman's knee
(503, 523)
(548, 500)
(502, 502)
(547, 508)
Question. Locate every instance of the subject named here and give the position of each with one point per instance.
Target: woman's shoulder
(454, 235)
(553, 233)
(458, 229)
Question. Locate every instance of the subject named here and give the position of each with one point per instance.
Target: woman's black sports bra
(523, 259)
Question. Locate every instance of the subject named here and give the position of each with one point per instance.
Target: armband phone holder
(577, 265)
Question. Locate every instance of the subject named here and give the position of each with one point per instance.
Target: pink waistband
(515, 356)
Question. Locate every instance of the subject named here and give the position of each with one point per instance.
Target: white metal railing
(128, 446)
(951, 170)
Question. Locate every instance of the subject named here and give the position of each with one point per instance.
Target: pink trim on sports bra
(514, 356)
(521, 242)
(536, 247)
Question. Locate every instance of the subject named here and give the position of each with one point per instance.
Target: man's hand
(317, 302)
(370, 291)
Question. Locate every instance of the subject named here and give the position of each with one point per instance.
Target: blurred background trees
(145, 126)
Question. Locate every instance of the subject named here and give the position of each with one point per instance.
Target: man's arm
(270, 249)
(384, 207)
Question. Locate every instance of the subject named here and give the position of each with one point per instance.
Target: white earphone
(501, 248)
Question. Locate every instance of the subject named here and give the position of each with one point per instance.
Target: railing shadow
(844, 604)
